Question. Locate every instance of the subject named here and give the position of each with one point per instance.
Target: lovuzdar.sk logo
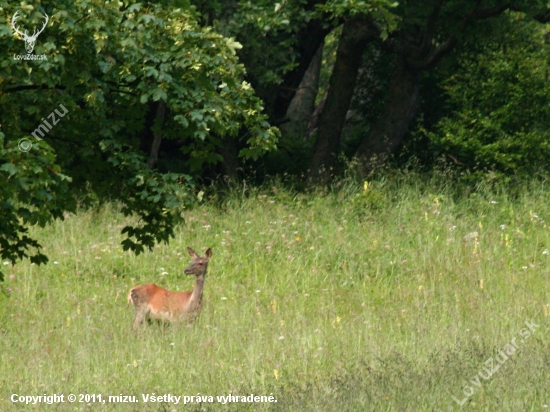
(30, 41)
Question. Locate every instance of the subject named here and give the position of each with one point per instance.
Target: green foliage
(158, 199)
(381, 10)
(110, 65)
(498, 98)
(33, 191)
(268, 30)
(370, 200)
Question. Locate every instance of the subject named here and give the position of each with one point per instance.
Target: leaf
(8, 167)
(151, 72)
(195, 115)
(233, 45)
(181, 120)
(159, 94)
(104, 66)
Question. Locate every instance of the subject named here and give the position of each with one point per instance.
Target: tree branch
(435, 56)
(157, 134)
(50, 136)
(82, 18)
(450, 43)
(34, 87)
(543, 17)
(111, 90)
(490, 12)
(432, 20)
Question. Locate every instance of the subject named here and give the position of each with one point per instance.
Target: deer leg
(138, 319)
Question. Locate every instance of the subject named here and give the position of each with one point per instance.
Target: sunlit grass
(386, 296)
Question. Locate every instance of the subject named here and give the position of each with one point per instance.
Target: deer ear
(191, 252)
(208, 253)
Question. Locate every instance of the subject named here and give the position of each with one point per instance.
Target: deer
(154, 302)
(29, 40)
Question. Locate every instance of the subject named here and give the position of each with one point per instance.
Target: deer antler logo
(29, 40)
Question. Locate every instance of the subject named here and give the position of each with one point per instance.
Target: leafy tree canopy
(497, 115)
(108, 64)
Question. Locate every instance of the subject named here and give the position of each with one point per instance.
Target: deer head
(29, 40)
(199, 264)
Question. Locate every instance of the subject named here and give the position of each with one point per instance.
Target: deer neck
(196, 296)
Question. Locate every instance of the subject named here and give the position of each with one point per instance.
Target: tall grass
(386, 296)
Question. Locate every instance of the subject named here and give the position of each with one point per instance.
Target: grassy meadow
(386, 296)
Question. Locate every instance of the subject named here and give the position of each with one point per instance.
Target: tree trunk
(402, 104)
(277, 97)
(157, 134)
(310, 39)
(302, 106)
(230, 164)
(313, 123)
(356, 34)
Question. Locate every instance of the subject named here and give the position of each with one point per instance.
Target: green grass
(385, 299)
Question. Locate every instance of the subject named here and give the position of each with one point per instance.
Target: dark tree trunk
(313, 123)
(277, 98)
(310, 39)
(415, 52)
(230, 164)
(402, 104)
(157, 134)
(302, 106)
(356, 34)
